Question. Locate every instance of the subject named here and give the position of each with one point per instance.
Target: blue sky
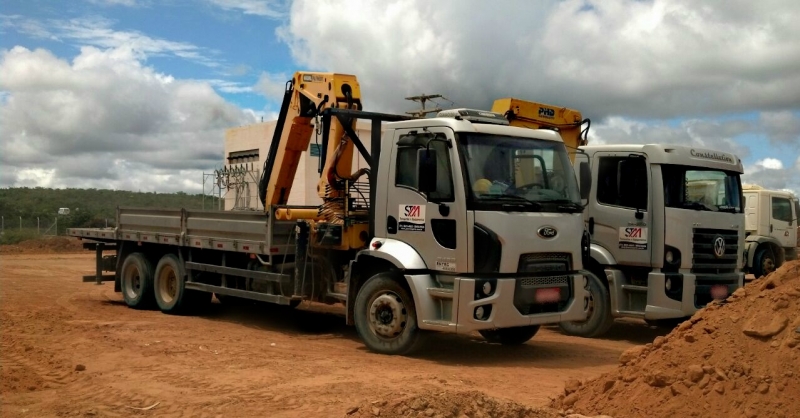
(136, 94)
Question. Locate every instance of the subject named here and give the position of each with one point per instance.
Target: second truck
(451, 228)
(666, 222)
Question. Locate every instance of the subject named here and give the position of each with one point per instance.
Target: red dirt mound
(472, 404)
(737, 358)
(44, 245)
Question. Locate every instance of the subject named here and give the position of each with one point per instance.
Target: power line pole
(420, 113)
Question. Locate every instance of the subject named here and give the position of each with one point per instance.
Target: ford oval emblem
(547, 232)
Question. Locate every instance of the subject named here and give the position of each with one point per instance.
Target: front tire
(510, 336)
(385, 316)
(764, 262)
(599, 318)
(136, 281)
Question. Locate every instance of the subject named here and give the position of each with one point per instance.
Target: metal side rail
(247, 294)
(230, 271)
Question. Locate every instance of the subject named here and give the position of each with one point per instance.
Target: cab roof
(675, 154)
(474, 127)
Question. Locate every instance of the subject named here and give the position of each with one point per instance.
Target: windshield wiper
(566, 205)
(696, 206)
(518, 199)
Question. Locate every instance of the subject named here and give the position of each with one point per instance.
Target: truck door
(435, 224)
(781, 221)
(620, 207)
(751, 212)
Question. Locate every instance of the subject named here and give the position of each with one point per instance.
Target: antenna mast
(420, 113)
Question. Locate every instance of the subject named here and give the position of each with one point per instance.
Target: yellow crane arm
(533, 115)
(307, 94)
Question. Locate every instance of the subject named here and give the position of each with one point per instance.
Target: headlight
(479, 312)
(487, 288)
(669, 257)
(668, 284)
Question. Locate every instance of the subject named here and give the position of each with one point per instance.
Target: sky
(137, 94)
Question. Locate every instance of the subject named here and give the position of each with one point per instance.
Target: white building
(246, 149)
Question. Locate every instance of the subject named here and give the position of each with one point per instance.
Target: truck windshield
(513, 173)
(702, 189)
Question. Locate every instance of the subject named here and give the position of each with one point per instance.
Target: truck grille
(544, 262)
(562, 281)
(705, 256)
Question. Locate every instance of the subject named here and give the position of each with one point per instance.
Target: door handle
(770, 227)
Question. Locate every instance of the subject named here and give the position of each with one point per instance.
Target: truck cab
(770, 229)
(482, 221)
(667, 230)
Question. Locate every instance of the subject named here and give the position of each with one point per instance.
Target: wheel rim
(387, 315)
(768, 265)
(167, 285)
(133, 282)
(588, 302)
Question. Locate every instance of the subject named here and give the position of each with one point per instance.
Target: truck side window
(626, 188)
(406, 170)
(781, 209)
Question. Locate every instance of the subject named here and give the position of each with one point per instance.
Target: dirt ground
(74, 349)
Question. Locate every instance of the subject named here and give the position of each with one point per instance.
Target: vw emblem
(719, 247)
(547, 232)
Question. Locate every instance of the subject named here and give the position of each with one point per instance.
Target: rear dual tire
(136, 281)
(169, 285)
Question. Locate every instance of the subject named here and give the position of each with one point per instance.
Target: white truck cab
(667, 231)
(770, 229)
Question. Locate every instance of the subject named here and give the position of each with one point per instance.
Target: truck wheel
(385, 316)
(170, 287)
(136, 281)
(510, 336)
(764, 262)
(599, 318)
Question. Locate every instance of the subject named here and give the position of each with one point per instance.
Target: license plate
(549, 295)
(719, 291)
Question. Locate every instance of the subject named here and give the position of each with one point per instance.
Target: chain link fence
(14, 229)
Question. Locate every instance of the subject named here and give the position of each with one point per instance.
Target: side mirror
(426, 170)
(586, 180)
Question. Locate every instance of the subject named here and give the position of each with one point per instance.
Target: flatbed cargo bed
(236, 231)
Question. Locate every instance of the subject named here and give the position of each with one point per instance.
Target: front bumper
(696, 292)
(458, 315)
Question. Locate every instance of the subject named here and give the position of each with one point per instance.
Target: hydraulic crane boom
(533, 115)
(307, 94)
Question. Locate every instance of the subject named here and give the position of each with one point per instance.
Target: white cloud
(99, 32)
(769, 164)
(227, 86)
(657, 59)
(711, 134)
(272, 86)
(716, 134)
(266, 8)
(126, 3)
(105, 120)
(782, 127)
(30, 27)
(770, 173)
